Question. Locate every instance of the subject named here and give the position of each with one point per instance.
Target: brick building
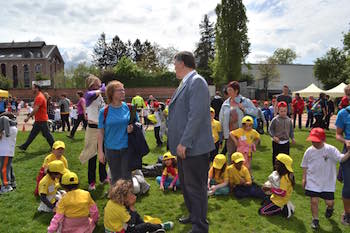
(22, 62)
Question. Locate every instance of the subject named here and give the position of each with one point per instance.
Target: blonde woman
(113, 125)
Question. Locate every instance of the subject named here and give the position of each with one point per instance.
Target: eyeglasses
(120, 90)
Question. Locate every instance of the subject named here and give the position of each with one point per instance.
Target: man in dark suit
(189, 133)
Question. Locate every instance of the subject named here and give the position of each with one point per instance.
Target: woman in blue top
(113, 125)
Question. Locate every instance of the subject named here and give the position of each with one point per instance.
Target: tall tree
(116, 51)
(137, 48)
(101, 52)
(284, 56)
(149, 60)
(205, 50)
(165, 56)
(232, 45)
(329, 69)
(268, 71)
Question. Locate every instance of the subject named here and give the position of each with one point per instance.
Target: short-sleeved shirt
(321, 167)
(48, 187)
(343, 122)
(80, 105)
(216, 129)
(138, 102)
(235, 175)
(51, 157)
(41, 114)
(246, 136)
(286, 185)
(286, 98)
(115, 126)
(115, 216)
(220, 177)
(75, 204)
(64, 105)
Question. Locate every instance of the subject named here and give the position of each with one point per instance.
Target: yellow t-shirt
(48, 187)
(286, 185)
(51, 157)
(115, 216)
(219, 178)
(75, 204)
(235, 175)
(248, 136)
(138, 102)
(216, 129)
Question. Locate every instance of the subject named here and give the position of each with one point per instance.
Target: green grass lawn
(18, 209)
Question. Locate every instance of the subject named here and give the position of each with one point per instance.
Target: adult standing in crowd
(232, 112)
(50, 106)
(342, 124)
(310, 116)
(216, 104)
(113, 125)
(319, 111)
(330, 111)
(94, 103)
(64, 107)
(190, 139)
(286, 98)
(40, 115)
(298, 106)
(138, 101)
(81, 108)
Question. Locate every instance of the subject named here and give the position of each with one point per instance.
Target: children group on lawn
(76, 211)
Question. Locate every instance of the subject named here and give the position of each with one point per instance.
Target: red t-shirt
(41, 114)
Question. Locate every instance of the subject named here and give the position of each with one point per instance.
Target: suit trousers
(193, 175)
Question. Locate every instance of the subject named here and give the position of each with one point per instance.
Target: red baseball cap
(317, 135)
(282, 104)
(254, 101)
(156, 104)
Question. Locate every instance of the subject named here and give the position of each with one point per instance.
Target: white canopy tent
(311, 90)
(337, 91)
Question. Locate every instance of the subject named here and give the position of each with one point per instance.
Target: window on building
(15, 76)
(3, 70)
(26, 76)
(38, 68)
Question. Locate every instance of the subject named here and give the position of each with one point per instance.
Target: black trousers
(327, 121)
(118, 162)
(310, 119)
(156, 135)
(92, 170)
(39, 126)
(224, 149)
(319, 122)
(193, 175)
(214, 152)
(65, 120)
(278, 148)
(295, 119)
(81, 118)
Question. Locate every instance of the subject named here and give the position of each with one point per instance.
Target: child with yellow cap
(57, 153)
(218, 177)
(277, 203)
(246, 139)
(76, 211)
(217, 134)
(170, 178)
(240, 180)
(49, 184)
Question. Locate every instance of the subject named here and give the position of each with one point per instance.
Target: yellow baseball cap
(69, 178)
(58, 144)
(247, 120)
(219, 161)
(212, 109)
(237, 157)
(167, 156)
(286, 160)
(57, 166)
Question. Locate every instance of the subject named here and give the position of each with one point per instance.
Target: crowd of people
(210, 147)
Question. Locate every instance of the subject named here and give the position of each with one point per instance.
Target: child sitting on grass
(277, 203)
(48, 186)
(218, 177)
(169, 179)
(246, 139)
(120, 214)
(240, 179)
(8, 135)
(76, 211)
(57, 154)
(281, 130)
(319, 173)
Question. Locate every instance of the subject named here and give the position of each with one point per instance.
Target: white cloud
(310, 27)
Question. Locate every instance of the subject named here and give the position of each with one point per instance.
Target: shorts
(323, 195)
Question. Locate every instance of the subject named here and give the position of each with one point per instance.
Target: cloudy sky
(310, 27)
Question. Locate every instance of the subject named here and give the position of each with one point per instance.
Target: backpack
(316, 108)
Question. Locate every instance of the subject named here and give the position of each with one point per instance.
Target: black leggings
(278, 148)
(92, 170)
(65, 120)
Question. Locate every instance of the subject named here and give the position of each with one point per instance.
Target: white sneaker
(44, 208)
(291, 209)
(6, 189)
